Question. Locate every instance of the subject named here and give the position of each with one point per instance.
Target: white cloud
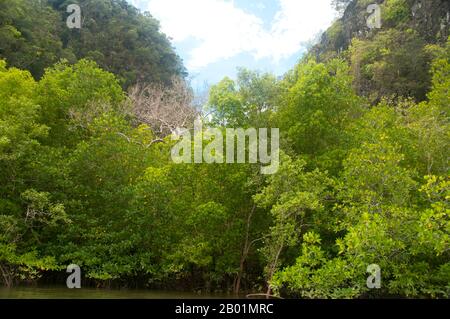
(297, 22)
(223, 30)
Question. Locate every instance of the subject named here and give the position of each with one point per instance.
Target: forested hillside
(86, 175)
(122, 40)
(392, 61)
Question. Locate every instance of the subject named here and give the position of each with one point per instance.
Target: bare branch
(163, 108)
(155, 141)
(126, 137)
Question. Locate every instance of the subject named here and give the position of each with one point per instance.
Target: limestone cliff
(430, 18)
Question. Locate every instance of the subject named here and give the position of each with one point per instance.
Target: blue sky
(215, 37)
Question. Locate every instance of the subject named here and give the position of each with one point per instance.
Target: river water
(91, 293)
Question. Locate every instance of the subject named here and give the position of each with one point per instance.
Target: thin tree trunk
(7, 278)
(272, 271)
(245, 252)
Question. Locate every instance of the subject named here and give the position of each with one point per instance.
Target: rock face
(430, 18)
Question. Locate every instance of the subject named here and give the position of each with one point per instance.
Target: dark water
(90, 293)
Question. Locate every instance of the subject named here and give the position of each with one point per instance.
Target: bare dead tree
(164, 108)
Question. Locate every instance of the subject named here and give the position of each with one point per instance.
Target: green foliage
(20, 132)
(314, 275)
(25, 45)
(440, 95)
(316, 108)
(226, 104)
(395, 12)
(434, 226)
(68, 90)
(296, 202)
(377, 223)
(247, 102)
(382, 211)
(393, 63)
(26, 215)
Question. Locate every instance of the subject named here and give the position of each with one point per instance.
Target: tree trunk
(245, 251)
(7, 278)
(273, 267)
